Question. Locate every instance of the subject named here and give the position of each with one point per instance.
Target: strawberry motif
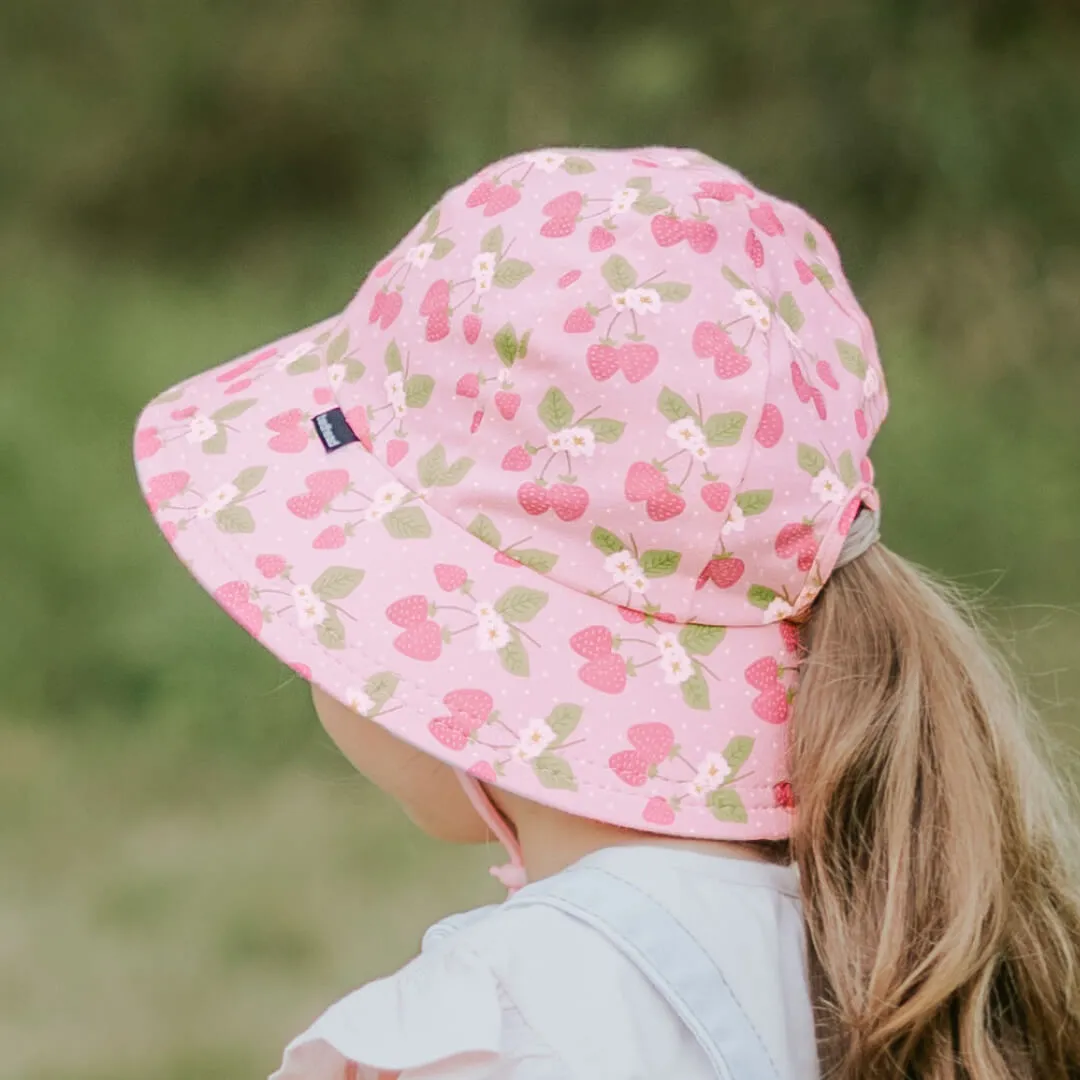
(603, 361)
(322, 395)
(793, 538)
(502, 198)
(557, 227)
(771, 705)
(423, 642)
(236, 387)
(409, 611)
(476, 418)
(480, 194)
(630, 767)
(664, 505)
(356, 418)
(652, 741)
(754, 249)
(716, 496)
(592, 642)
(483, 771)
(438, 326)
(166, 486)
(851, 511)
(701, 235)
(437, 298)
(306, 506)
(860, 423)
(569, 501)
(668, 230)
(471, 707)
(722, 570)
(470, 326)
(825, 374)
(764, 217)
(606, 674)
(396, 449)
(566, 205)
(790, 633)
(600, 238)
(632, 615)
(270, 566)
(450, 577)
(798, 381)
(468, 385)
(507, 403)
(658, 811)
(807, 556)
(637, 361)
(782, 795)
(580, 321)
(723, 191)
(533, 499)
(235, 598)
(818, 399)
(866, 471)
(763, 674)
(189, 411)
(327, 484)
(770, 427)
(710, 340)
(503, 559)
(331, 537)
(642, 481)
(568, 279)
(448, 732)
(517, 459)
(385, 308)
(806, 275)
(286, 420)
(147, 443)
(293, 441)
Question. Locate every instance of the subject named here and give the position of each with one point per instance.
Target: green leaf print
(848, 473)
(650, 204)
(724, 429)
(603, 429)
(510, 273)
(523, 345)
(392, 357)
(513, 657)
(695, 691)
(418, 390)
(672, 292)
(175, 394)
(433, 470)
(234, 519)
(232, 410)
(563, 719)
(493, 240)
(733, 279)
(754, 502)
(506, 345)
(249, 479)
(578, 166)
(483, 528)
(660, 563)
(330, 632)
(543, 562)
(553, 772)
(820, 271)
(810, 459)
(642, 183)
(354, 370)
(810, 241)
(851, 356)
(443, 247)
(699, 639)
(726, 805)
(380, 687)
(605, 541)
(760, 596)
(554, 410)
(791, 313)
(618, 273)
(407, 523)
(337, 348)
(520, 604)
(673, 406)
(217, 443)
(336, 582)
(431, 226)
(303, 365)
(737, 751)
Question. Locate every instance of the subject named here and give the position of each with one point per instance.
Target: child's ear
(428, 790)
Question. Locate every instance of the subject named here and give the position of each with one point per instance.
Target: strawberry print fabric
(613, 410)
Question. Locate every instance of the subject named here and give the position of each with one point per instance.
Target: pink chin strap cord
(511, 874)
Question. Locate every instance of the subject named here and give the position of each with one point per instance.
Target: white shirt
(531, 994)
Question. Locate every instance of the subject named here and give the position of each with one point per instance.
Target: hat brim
(334, 591)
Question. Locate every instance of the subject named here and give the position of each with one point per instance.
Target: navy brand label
(333, 430)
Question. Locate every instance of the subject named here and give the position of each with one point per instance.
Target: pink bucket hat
(541, 498)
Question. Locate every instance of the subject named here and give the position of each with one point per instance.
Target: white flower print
(622, 200)
(484, 282)
(310, 610)
(701, 452)
(710, 774)
(504, 377)
(217, 500)
(483, 264)
(547, 162)
(579, 441)
(677, 667)
(201, 428)
(536, 737)
(293, 355)
(420, 254)
(751, 304)
(485, 613)
(736, 521)
(668, 643)
(623, 567)
(620, 301)
(336, 374)
(359, 701)
(557, 441)
(778, 609)
(394, 384)
(677, 161)
(492, 634)
(644, 301)
(686, 433)
(828, 487)
(390, 496)
(871, 383)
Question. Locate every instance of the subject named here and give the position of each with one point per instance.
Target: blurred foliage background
(190, 873)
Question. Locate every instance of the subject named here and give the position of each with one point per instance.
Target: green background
(190, 872)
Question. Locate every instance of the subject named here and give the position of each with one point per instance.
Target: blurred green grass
(190, 872)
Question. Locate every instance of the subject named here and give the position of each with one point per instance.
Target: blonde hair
(935, 845)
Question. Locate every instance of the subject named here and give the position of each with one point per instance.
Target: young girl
(569, 521)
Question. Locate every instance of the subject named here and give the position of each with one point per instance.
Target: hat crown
(628, 370)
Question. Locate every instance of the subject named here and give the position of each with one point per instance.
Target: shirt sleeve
(443, 1016)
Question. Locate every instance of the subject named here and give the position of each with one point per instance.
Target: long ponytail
(936, 847)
